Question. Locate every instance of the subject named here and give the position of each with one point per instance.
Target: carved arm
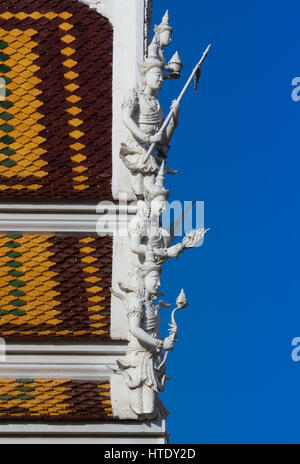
(136, 246)
(132, 126)
(142, 336)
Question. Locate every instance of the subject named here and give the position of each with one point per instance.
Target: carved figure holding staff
(143, 116)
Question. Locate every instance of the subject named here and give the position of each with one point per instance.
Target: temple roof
(56, 121)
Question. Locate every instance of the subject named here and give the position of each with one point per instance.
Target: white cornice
(155, 428)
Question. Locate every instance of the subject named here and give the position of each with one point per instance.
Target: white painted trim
(57, 222)
(117, 349)
(154, 428)
(81, 371)
(122, 260)
(47, 207)
(59, 359)
(67, 208)
(77, 440)
(128, 51)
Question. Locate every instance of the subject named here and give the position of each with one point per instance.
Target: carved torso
(149, 114)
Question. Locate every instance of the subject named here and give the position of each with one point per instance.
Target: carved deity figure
(143, 116)
(142, 368)
(161, 39)
(145, 226)
(144, 153)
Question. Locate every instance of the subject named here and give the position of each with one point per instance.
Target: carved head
(152, 282)
(164, 31)
(151, 72)
(154, 78)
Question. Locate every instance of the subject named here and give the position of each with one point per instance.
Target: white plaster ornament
(144, 153)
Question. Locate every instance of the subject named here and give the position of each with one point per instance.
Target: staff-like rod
(163, 127)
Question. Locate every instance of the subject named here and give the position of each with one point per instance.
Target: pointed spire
(158, 188)
(150, 262)
(166, 18)
(160, 179)
(165, 23)
(161, 172)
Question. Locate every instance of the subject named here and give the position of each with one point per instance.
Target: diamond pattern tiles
(55, 123)
(55, 286)
(54, 399)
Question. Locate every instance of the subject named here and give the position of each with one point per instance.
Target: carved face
(154, 78)
(152, 282)
(165, 38)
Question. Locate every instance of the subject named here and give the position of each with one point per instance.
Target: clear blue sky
(238, 149)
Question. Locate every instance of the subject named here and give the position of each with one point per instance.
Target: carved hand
(168, 343)
(156, 138)
(174, 251)
(161, 252)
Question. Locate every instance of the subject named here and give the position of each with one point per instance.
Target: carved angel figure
(142, 367)
(145, 226)
(161, 39)
(143, 116)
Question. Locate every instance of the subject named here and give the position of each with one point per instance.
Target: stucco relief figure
(143, 116)
(161, 39)
(143, 367)
(144, 153)
(145, 226)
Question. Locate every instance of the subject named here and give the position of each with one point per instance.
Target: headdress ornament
(164, 25)
(150, 264)
(152, 61)
(159, 188)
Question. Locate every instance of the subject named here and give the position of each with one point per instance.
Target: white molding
(154, 428)
(46, 359)
(128, 51)
(105, 348)
(78, 440)
(83, 371)
(154, 432)
(31, 207)
(45, 222)
(100, 208)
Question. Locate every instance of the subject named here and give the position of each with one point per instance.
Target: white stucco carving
(142, 372)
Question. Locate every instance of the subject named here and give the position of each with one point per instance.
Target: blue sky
(236, 148)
